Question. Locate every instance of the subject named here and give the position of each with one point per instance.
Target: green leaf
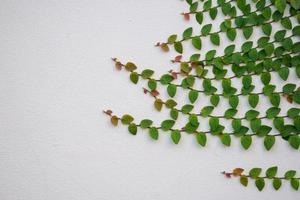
(253, 100)
(147, 73)
(244, 180)
(246, 141)
(206, 111)
(272, 112)
(174, 114)
(278, 123)
(167, 124)
(264, 130)
(214, 100)
(247, 31)
(213, 13)
(215, 39)
(201, 139)
(294, 141)
(196, 41)
(184, 67)
(247, 81)
(295, 4)
(231, 34)
(269, 141)
(199, 71)
(172, 39)
(280, 35)
(284, 73)
(193, 95)
(229, 49)
(265, 78)
(277, 183)
(187, 108)
(187, 33)
(229, 113)
(254, 172)
(130, 66)
(226, 139)
(275, 99)
(297, 123)
(206, 29)
(293, 112)
(191, 127)
(132, 128)
(260, 183)
(134, 77)
(289, 88)
(152, 84)
(247, 46)
(153, 132)
(268, 89)
(214, 123)
(126, 119)
(286, 23)
(280, 5)
(165, 79)
(296, 96)
(233, 101)
(210, 54)
(236, 124)
(193, 119)
(178, 47)
(255, 124)
(267, 29)
(287, 44)
(262, 42)
(170, 103)
(146, 123)
(199, 17)
(193, 7)
(290, 174)
(251, 114)
(295, 183)
(176, 135)
(171, 89)
(271, 172)
(296, 30)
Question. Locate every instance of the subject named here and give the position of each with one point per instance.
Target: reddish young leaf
(154, 93)
(108, 112)
(178, 58)
(186, 16)
(118, 66)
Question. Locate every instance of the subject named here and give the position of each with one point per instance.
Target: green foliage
(274, 53)
(271, 175)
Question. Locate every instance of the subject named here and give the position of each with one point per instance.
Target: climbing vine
(275, 53)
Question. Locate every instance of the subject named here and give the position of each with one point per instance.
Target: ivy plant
(260, 178)
(275, 53)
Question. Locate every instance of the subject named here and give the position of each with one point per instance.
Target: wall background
(56, 77)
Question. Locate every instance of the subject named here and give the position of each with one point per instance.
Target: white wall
(56, 77)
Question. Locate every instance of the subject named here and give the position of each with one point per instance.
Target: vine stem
(224, 56)
(229, 174)
(234, 76)
(182, 130)
(220, 31)
(205, 10)
(193, 89)
(226, 64)
(212, 116)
